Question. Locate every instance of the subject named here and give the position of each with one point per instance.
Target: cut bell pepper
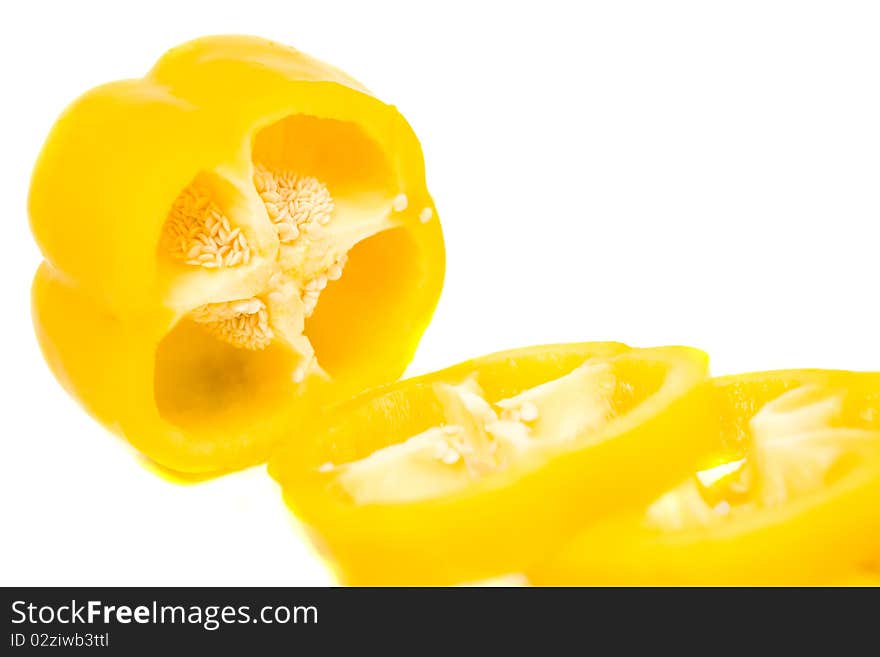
(231, 241)
(483, 468)
(792, 499)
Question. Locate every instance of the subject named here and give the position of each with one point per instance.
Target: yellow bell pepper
(230, 241)
(483, 468)
(791, 499)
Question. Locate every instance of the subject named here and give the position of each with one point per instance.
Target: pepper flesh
(503, 509)
(790, 500)
(230, 242)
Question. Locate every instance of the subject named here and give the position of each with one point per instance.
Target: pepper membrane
(231, 241)
(789, 499)
(484, 468)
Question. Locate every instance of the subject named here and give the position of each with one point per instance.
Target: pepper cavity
(313, 245)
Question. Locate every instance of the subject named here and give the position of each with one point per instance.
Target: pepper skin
(799, 507)
(637, 420)
(230, 242)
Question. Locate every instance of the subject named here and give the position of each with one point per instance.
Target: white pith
(478, 438)
(796, 441)
(315, 234)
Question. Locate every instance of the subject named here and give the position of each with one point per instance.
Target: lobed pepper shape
(241, 240)
(231, 241)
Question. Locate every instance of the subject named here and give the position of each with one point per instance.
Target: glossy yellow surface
(827, 533)
(508, 519)
(109, 309)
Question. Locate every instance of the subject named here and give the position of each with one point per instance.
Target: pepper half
(230, 242)
(483, 468)
(791, 500)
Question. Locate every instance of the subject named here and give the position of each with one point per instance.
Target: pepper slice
(791, 500)
(483, 468)
(238, 237)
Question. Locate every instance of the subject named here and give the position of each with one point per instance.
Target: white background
(703, 173)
